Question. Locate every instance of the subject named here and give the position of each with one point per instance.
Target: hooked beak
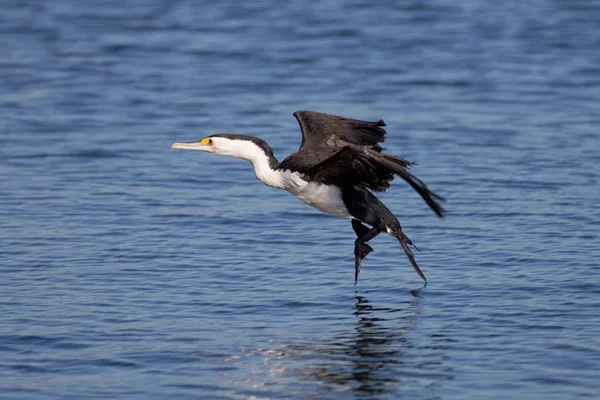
(199, 145)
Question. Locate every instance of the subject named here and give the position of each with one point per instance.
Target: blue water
(129, 270)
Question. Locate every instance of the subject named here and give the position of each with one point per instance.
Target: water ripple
(133, 271)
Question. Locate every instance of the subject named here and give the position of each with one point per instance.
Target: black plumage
(346, 152)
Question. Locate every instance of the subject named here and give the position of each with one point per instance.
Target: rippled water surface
(129, 270)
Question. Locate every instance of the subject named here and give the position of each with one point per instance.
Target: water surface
(129, 270)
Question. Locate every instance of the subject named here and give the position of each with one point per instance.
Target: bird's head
(239, 146)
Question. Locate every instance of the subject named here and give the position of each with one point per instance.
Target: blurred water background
(129, 270)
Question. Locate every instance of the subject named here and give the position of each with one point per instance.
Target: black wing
(345, 152)
(325, 130)
(323, 135)
(361, 166)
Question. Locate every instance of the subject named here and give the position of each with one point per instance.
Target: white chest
(324, 198)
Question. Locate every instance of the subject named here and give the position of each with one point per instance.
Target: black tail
(399, 166)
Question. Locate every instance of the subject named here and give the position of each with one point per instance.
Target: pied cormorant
(337, 166)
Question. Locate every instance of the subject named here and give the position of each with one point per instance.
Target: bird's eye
(210, 142)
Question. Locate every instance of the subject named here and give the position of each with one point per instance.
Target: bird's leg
(361, 230)
(361, 248)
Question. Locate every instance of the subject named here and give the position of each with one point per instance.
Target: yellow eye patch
(206, 141)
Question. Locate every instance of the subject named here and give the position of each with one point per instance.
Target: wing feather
(361, 166)
(326, 130)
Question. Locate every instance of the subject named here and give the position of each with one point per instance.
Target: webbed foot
(361, 250)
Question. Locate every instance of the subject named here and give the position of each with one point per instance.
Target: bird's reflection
(374, 354)
(368, 357)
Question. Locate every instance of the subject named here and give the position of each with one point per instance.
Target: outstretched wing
(345, 152)
(362, 166)
(325, 130)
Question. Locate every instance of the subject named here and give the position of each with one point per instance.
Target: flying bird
(338, 166)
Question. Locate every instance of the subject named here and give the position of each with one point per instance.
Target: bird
(339, 165)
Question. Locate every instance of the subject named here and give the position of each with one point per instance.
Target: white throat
(248, 150)
(263, 170)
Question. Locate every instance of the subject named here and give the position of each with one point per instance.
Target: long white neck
(264, 164)
(277, 178)
(264, 170)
